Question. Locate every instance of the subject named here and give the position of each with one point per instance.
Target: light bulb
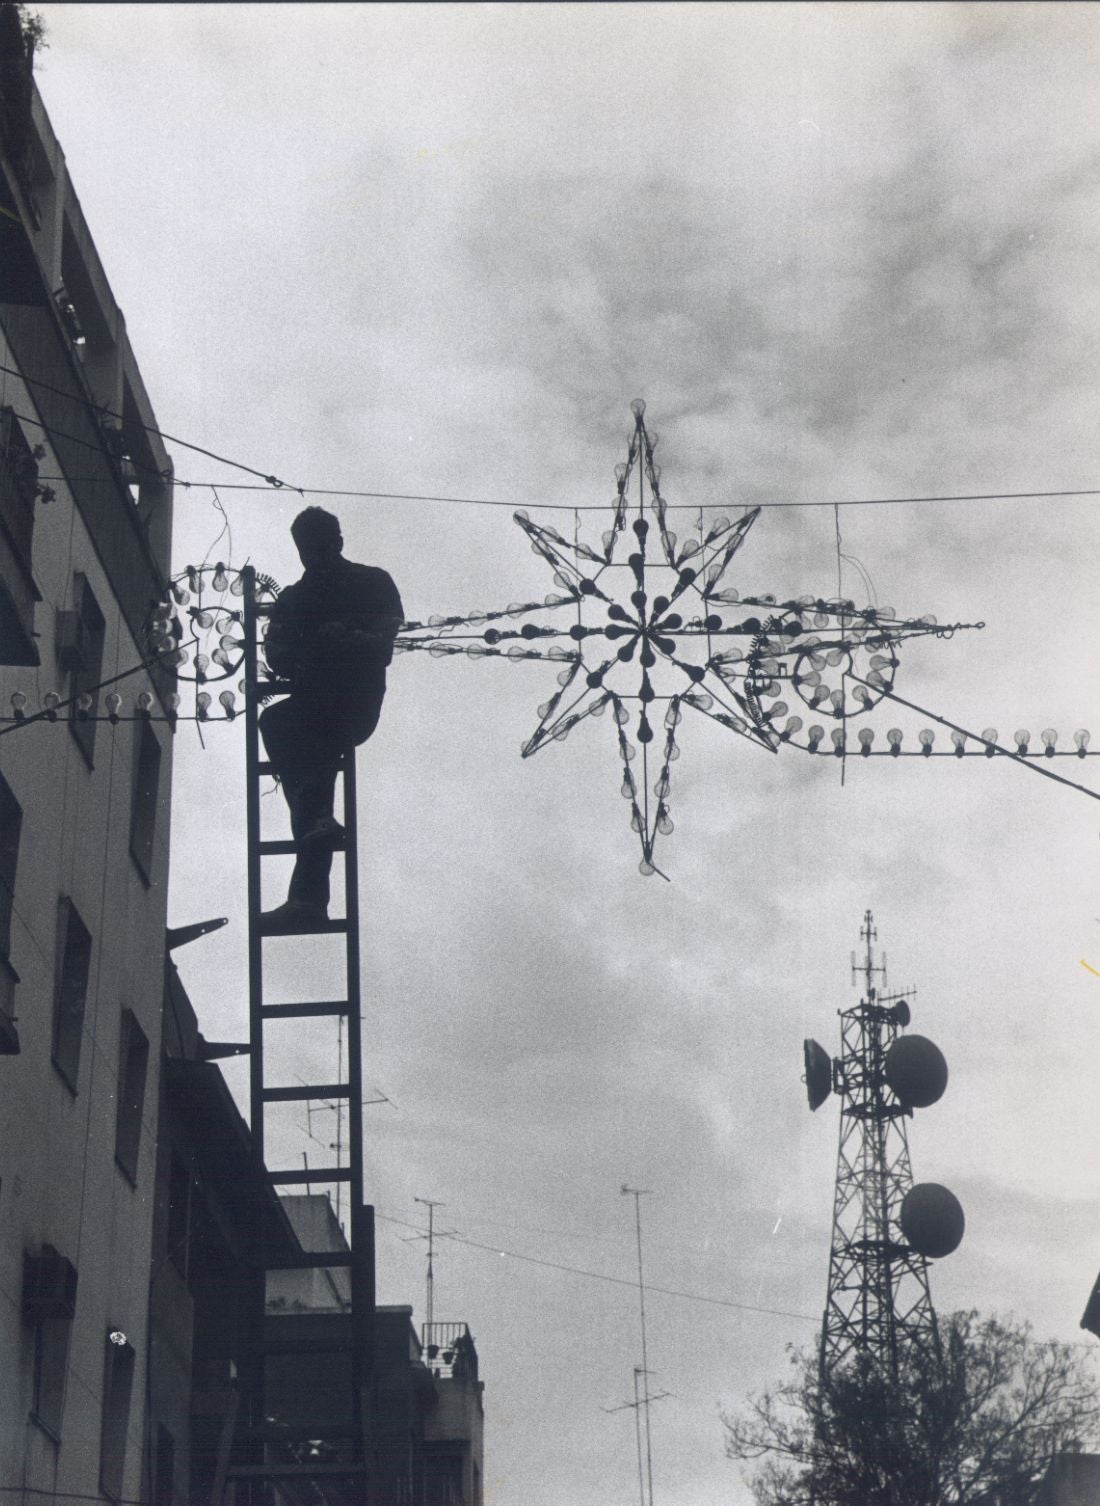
(182, 595)
(114, 705)
(19, 706)
(637, 407)
(794, 724)
(227, 699)
(837, 735)
(959, 739)
(220, 581)
(51, 701)
(1081, 740)
(926, 739)
(145, 702)
(989, 737)
(172, 701)
(815, 735)
(236, 586)
(204, 619)
(1050, 737)
(893, 737)
(202, 704)
(866, 738)
(1023, 737)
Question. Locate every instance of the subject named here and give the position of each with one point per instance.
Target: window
(146, 792)
(118, 1383)
(49, 1297)
(87, 665)
(75, 955)
(18, 592)
(133, 1059)
(11, 823)
(51, 1361)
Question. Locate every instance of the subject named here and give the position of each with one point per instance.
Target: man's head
(318, 537)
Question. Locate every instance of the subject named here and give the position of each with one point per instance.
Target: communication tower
(885, 1229)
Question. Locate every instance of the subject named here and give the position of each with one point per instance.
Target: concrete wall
(59, 1180)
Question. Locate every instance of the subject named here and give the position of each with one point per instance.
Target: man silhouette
(330, 635)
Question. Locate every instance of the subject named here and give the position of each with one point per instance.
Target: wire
(554, 1265)
(321, 491)
(103, 412)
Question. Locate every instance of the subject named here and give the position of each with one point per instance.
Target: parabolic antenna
(819, 1073)
(916, 1070)
(901, 1013)
(932, 1220)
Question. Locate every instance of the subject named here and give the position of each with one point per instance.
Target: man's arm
(282, 641)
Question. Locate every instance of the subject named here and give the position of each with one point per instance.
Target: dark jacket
(333, 630)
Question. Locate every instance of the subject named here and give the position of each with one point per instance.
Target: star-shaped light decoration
(655, 632)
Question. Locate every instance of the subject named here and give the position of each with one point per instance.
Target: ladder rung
(326, 927)
(285, 847)
(302, 1092)
(303, 1011)
(264, 765)
(310, 1260)
(310, 1174)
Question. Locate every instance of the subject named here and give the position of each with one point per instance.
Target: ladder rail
(348, 1091)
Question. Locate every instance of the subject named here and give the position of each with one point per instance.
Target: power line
(321, 491)
(664, 1291)
(274, 482)
(103, 412)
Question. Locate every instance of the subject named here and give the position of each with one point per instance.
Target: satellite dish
(916, 1070)
(932, 1220)
(901, 1013)
(819, 1073)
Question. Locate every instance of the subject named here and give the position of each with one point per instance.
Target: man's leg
(298, 736)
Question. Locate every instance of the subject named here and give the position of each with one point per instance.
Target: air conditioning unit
(49, 1285)
(70, 640)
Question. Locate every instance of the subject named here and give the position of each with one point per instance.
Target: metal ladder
(348, 1475)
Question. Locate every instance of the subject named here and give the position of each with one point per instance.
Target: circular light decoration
(916, 1070)
(645, 628)
(932, 1220)
(198, 628)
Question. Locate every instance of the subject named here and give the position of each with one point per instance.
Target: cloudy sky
(843, 252)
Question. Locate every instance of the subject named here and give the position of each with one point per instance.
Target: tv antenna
(637, 1193)
(636, 1407)
(431, 1206)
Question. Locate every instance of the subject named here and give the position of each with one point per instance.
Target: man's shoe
(325, 835)
(294, 917)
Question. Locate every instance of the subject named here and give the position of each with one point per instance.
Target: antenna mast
(431, 1207)
(883, 1228)
(637, 1193)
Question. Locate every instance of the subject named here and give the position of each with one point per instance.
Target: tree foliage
(980, 1420)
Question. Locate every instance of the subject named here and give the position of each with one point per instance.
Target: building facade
(85, 525)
